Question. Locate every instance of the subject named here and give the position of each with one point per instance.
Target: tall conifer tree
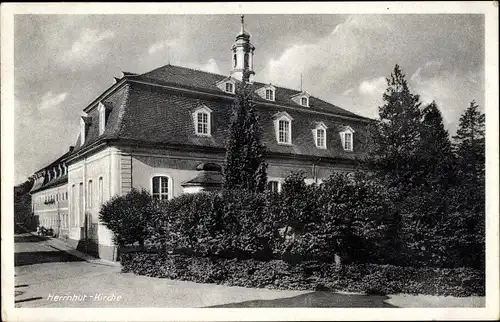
(469, 143)
(396, 136)
(245, 167)
(435, 152)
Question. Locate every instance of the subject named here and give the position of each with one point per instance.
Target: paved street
(48, 274)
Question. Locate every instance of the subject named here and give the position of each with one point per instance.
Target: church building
(165, 131)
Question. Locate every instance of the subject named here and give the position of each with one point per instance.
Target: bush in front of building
(126, 216)
(231, 224)
(308, 275)
(346, 216)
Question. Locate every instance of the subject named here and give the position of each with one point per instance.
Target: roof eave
(106, 93)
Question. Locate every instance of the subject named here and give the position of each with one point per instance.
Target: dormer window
(104, 110)
(304, 101)
(202, 121)
(229, 87)
(348, 141)
(269, 94)
(301, 98)
(85, 122)
(102, 118)
(283, 127)
(320, 135)
(346, 136)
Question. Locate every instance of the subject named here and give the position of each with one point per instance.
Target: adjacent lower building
(165, 131)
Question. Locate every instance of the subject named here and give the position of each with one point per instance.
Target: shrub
(126, 216)
(233, 224)
(308, 275)
(189, 222)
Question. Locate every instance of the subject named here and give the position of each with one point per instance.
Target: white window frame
(82, 130)
(283, 116)
(226, 84)
(350, 131)
(170, 186)
(320, 126)
(271, 96)
(278, 183)
(304, 98)
(208, 112)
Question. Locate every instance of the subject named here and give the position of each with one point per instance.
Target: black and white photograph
(234, 161)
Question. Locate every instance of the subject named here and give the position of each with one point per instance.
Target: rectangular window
(202, 124)
(229, 87)
(320, 138)
(283, 131)
(269, 94)
(348, 141)
(304, 101)
(273, 186)
(160, 188)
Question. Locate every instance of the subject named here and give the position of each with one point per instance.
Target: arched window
(100, 192)
(284, 131)
(160, 187)
(303, 101)
(246, 61)
(89, 195)
(202, 121)
(283, 128)
(320, 138)
(235, 59)
(346, 136)
(320, 135)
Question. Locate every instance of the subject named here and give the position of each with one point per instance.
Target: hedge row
(345, 216)
(309, 275)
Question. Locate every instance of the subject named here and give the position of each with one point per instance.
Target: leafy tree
(396, 136)
(126, 216)
(245, 167)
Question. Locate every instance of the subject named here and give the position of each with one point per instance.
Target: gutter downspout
(315, 170)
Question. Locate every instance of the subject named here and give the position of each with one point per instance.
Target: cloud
(211, 67)
(452, 90)
(348, 91)
(162, 45)
(49, 100)
(88, 48)
(374, 86)
(431, 47)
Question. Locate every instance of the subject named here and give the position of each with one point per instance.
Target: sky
(63, 62)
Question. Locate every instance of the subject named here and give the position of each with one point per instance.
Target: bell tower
(242, 54)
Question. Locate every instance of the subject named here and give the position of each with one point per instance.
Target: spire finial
(242, 22)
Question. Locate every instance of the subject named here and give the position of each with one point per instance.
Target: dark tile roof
(205, 178)
(200, 80)
(50, 184)
(156, 115)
